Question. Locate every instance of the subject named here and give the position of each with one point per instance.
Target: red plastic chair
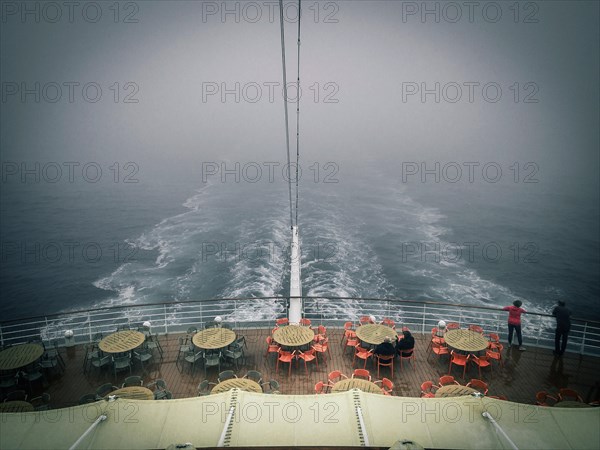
(364, 320)
(361, 373)
(272, 346)
(496, 354)
(389, 323)
(480, 385)
(459, 360)
(285, 357)
(446, 380)
(362, 353)
(351, 341)
(569, 394)
(334, 377)
(385, 361)
(542, 398)
(305, 322)
(308, 356)
(452, 326)
(428, 389)
(411, 357)
(439, 350)
(320, 388)
(322, 347)
(481, 361)
(387, 386)
(282, 322)
(348, 330)
(321, 333)
(476, 328)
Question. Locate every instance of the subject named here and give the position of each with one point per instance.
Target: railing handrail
(226, 299)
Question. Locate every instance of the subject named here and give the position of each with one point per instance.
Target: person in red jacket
(514, 322)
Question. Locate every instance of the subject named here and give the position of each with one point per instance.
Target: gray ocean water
(366, 233)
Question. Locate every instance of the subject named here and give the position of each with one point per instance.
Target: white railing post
(166, 326)
(424, 315)
(90, 327)
(582, 350)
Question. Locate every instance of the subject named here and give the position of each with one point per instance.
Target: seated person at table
(386, 348)
(406, 343)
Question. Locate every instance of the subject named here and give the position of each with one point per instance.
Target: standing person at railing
(514, 322)
(563, 326)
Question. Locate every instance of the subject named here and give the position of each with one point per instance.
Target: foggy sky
(176, 49)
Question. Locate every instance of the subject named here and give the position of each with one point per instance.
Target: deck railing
(420, 317)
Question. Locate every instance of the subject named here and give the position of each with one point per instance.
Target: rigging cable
(285, 105)
(298, 111)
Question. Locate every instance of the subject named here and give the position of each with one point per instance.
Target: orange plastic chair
(411, 357)
(389, 323)
(305, 322)
(439, 350)
(385, 361)
(479, 385)
(447, 379)
(452, 326)
(322, 347)
(362, 353)
(569, 394)
(364, 320)
(285, 357)
(334, 377)
(459, 360)
(281, 322)
(496, 354)
(272, 346)
(361, 373)
(308, 356)
(476, 328)
(321, 333)
(481, 361)
(348, 330)
(320, 387)
(428, 389)
(387, 386)
(351, 341)
(542, 398)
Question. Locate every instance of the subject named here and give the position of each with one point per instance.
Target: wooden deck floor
(524, 373)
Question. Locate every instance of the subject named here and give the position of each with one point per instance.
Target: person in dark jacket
(386, 348)
(406, 343)
(563, 326)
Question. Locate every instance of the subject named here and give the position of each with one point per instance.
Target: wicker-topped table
(133, 393)
(356, 383)
(466, 340)
(243, 384)
(454, 390)
(293, 335)
(374, 334)
(16, 406)
(213, 338)
(122, 341)
(20, 356)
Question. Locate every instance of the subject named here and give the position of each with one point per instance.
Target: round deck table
(122, 341)
(213, 338)
(16, 406)
(454, 390)
(243, 384)
(356, 383)
(20, 356)
(571, 404)
(133, 393)
(293, 335)
(374, 334)
(466, 340)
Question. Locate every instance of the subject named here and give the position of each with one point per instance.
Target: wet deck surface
(524, 373)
